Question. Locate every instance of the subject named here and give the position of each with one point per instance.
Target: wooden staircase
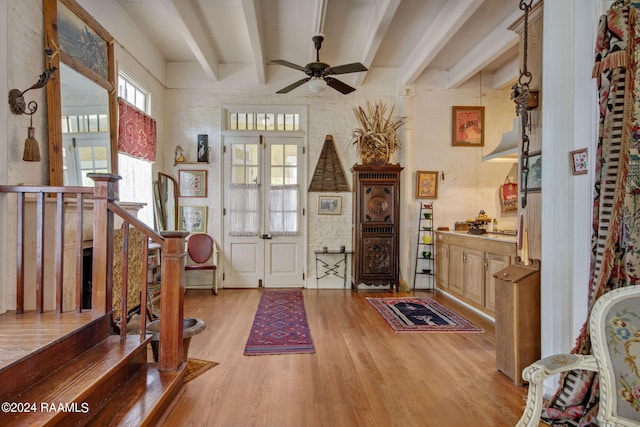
(84, 377)
(67, 367)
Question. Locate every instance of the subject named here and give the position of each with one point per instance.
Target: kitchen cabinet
(467, 263)
(495, 262)
(442, 265)
(465, 266)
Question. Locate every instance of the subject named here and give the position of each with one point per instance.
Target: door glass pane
(244, 163)
(291, 176)
(277, 155)
(290, 155)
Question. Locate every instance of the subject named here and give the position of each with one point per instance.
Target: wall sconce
(16, 97)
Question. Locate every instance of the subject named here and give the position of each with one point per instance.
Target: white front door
(263, 223)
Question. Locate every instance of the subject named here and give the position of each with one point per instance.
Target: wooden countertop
(491, 236)
(495, 243)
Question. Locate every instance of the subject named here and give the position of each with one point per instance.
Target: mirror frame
(54, 100)
(161, 193)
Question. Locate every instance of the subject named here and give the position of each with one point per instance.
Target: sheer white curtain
(244, 217)
(283, 210)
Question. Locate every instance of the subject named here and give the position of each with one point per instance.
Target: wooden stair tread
(22, 334)
(148, 394)
(78, 379)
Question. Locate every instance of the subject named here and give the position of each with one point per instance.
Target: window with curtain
(135, 157)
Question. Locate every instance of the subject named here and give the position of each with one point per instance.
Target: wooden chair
(614, 325)
(201, 249)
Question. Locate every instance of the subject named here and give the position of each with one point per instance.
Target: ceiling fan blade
(288, 64)
(294, 85)
(355, 67)
(341, 87)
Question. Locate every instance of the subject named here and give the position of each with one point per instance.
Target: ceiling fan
(319, 73)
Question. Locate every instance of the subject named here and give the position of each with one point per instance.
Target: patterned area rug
(420, 315)
(280, 325)
(196, 367)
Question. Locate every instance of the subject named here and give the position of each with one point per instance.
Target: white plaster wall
(469, 185)
(570, 122)
(191, 112)
(26, 53)
(466, 184)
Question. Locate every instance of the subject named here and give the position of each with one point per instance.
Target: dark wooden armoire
(376, 225)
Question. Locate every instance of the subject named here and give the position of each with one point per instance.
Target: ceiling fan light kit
(318, 72)
(317, 85)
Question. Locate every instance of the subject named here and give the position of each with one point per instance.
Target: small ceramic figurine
(178, 154)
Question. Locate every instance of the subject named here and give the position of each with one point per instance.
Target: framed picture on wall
(467, 126)
(579, 161)
(533, 180)
(192, 219)
(329, 205)
(203, 148)
(426, 185)
(192, 183)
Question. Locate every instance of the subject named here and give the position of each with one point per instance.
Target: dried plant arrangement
(377, 137)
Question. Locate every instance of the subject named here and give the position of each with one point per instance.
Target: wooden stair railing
(105, 206)
(170, 354)
(61, 194)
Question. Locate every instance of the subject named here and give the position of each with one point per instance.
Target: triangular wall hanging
(329, 175)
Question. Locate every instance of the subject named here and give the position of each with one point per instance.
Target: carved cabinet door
(376, 225)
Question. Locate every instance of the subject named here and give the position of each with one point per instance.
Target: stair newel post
(172, 288)
(102, 265)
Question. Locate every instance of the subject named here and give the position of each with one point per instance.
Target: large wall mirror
(81, 98)
(165, 198)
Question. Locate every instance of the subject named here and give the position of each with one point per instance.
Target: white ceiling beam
(253, 17)
(452, 16)
(189, 27)
(506, 75)
(319, 16)
(497, 42)
(379, 25)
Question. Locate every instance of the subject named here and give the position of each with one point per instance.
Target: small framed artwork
(203, 148)
(467, 126)
(329, 205)
(534, 178)
(193, 219)
(579, 161)
(426, 185)
(192, 183)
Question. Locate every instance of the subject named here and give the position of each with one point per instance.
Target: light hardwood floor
(362, 374)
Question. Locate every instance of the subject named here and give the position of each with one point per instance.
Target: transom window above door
(268, 118)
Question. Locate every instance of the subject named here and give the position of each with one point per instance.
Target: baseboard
(470, 307)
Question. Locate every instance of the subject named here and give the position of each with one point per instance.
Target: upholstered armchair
(614, 326)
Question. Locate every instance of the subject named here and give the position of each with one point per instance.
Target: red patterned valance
(136, 132)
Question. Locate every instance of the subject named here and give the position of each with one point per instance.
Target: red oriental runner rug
(280, 325)
(420, 315)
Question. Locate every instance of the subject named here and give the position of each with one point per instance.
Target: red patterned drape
(136, 132)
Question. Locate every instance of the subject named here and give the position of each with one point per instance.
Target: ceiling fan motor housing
(315, 69)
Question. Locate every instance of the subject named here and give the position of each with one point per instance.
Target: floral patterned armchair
(614, 325)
